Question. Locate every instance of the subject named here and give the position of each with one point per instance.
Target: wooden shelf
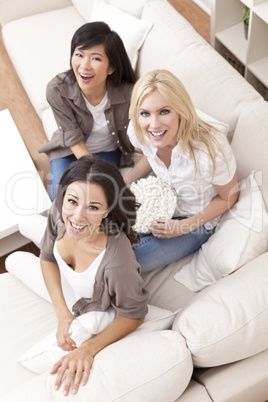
(259, 69)
(234, 39)
(227, 32)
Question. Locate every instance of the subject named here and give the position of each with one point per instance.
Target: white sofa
(217, 349)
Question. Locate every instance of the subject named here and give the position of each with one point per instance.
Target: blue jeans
(152, 252)
(59, 165)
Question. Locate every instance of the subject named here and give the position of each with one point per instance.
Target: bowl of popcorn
(157, 199)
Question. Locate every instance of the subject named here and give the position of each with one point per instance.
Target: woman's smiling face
(158, 121)
(91, 67)
(84, 207)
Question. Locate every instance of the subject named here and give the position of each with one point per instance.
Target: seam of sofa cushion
(227, 335)
(154, 378)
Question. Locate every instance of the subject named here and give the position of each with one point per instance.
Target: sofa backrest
(250, 144)
(49, 34)
(14, 9)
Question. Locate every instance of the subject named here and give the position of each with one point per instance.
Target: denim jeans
(59, 165)
(152, 252)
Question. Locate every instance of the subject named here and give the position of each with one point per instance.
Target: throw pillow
(41, 357)
(241, 235)
(134, 8)
(131, 7)
(84, 7)
(220, 125)
(132, 30)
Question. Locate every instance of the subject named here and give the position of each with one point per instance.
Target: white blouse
(194, 186)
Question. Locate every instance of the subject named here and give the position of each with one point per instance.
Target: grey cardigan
(75, 121)
(118, 282)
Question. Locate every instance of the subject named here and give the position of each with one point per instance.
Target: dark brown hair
(99, 33)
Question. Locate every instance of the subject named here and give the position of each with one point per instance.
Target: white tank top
(100, 139)
(77, 284)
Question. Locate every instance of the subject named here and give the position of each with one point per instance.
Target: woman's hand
(64, 340)
(77, 365)
(78, 362)
(226, 198)
(80, 150)
(141, 169)
(164, 228)
(167, 228)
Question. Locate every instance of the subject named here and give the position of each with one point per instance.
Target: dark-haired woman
(90, 102)
(88, 264)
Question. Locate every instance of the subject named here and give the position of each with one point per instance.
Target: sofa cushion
(240, 236)
(121, 22)
(39, 48)
(250, 144)
(195, 392)
(164, 291)
(214, 85)
(246, 379)
(228, 321)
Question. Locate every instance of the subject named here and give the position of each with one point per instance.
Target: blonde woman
(187, 153)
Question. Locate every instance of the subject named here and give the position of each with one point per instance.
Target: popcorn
(157, 198)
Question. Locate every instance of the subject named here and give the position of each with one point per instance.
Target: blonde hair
(192, 129)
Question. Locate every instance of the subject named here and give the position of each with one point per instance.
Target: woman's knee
(26, 267)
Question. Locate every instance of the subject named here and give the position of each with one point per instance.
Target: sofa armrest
(14, 9)
(228, 321)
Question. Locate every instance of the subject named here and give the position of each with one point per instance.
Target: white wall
(206, 5)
